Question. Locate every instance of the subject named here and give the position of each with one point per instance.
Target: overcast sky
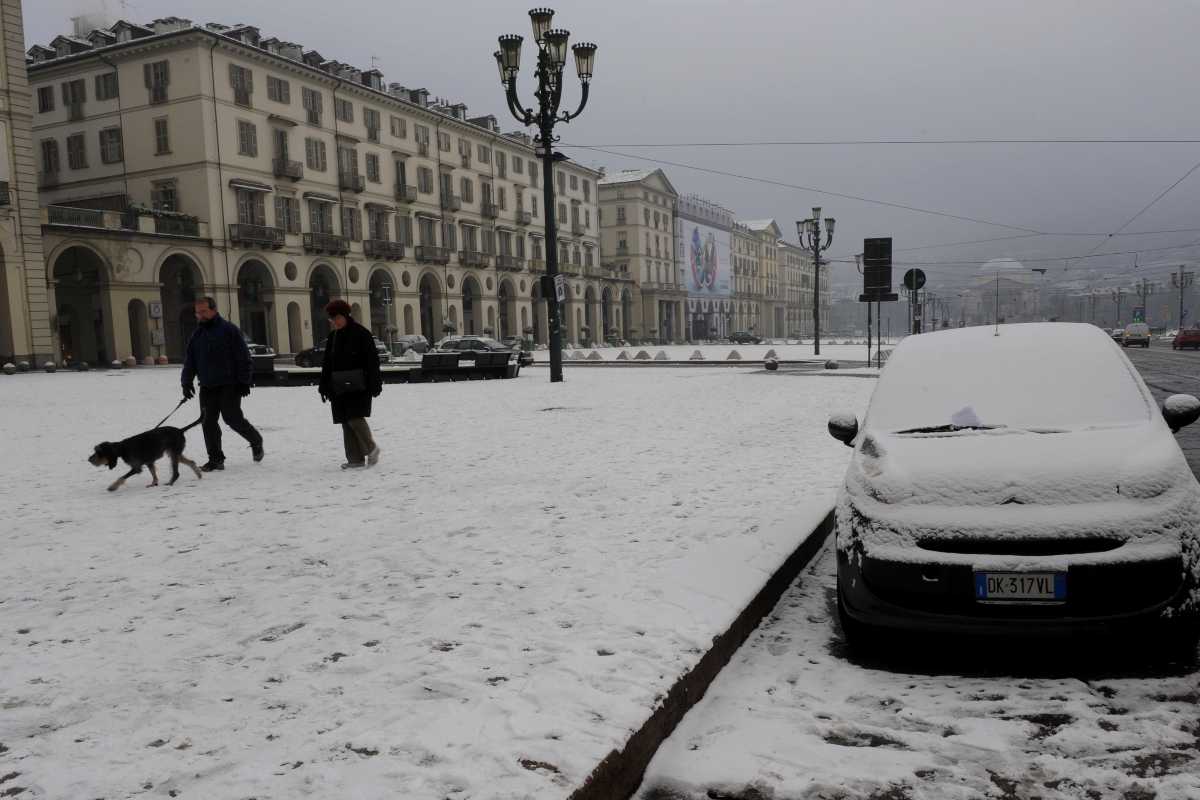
(688, 71)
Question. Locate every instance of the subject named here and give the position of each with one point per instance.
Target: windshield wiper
(950, 428)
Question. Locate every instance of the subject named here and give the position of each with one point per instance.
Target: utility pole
(1092, 300)
(1116, 295)
(1181, 281)
(1144, 291)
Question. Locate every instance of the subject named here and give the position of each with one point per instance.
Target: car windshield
(1033, 377)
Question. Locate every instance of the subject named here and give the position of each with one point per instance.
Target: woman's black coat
(353, 347)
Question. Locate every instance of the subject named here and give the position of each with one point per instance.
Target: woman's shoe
(353, 465)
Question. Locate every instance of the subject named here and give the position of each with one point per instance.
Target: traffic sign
(560, 287)
(914, 279)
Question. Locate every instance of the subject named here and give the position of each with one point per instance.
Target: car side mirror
(1180, 410)
(844, 428)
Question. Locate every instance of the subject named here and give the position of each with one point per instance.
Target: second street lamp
(551, 59)
(809, 231)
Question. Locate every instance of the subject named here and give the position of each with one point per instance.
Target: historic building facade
(637, 209)
(706, 259)
(24, 312)
(177, 160)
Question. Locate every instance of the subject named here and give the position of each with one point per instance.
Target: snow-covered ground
(752, 353)
(793, 717)
(486, 614)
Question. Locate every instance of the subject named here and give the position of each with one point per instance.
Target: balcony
(351, 182)
(537, 265)
(382, 248)
(622, 250)
(567, 268)
(327, 243)
(406, 194)
(489, 210)
(288, 169)
(241, 97)
(428, 254)
(256, 235)
(472, 258)
(4, 198)
(76, 217)
(451, 202)
(577, 229)
(423, 148)
(466, 161)
(524, 218)
(510, 263)
(177, 226)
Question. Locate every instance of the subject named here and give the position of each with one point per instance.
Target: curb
(620, 773)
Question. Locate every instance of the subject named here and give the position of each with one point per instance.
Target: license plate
(1020, 586)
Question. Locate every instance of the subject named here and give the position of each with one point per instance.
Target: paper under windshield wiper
(950, 428)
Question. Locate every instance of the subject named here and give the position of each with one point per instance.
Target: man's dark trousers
(225, 401)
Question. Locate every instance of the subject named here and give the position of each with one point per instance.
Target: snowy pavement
(794, 716)
(487, 614)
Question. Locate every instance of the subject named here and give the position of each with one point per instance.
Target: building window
(485, 154)
(162, 138)
(574, 183)
(314, 154)
(533, 174)
(343, 110)
(399, 127)
(45, 99)
(587, 257)
(562, 214)
(347, 162)
(464, 151)
(106, 86)
(562, 183)
(287, 213)
(251, 208)
(502, 198)
(371, 120)
(501, 165)
(373, 168)
(535, 248)
(425, 180)
(157, 76)
(313, 105)
(352, 223)
(421, 134)
(76, 152)
(533, 205)
(320, 216)
(74, 95)
(278, 90)
(401, 173)
(247, 138)
(50, 163)
(242, 81)
(468, 190)
(518, 166)
(163, 196)
(443, 141)
(110, 146)
(377, 224)
(427, 230)
(404, 233)
(587, 190)
(449, 236)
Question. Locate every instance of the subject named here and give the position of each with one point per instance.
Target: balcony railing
(241, 97)
(472, 258)
(4, 198)
(80, 217)
(261, 235)
(578, 229)
(423, 148)
(537, 265)
(489, 211)
(288, 169)
(74, 112)
(451, 202)
(177, 226)
(382, 248)
(622, 250)
(352, 182)
(524, 218)
(510, 263)
(428, 254)
(567, 268)
(406, 194)
(327, 243)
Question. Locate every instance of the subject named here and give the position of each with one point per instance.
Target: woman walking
(349, 379)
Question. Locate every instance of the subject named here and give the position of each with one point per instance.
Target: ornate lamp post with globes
(551, 58)
(809, 231)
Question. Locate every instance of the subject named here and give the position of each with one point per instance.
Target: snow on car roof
(1035, 375)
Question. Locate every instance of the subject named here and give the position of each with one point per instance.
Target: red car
(1187, 338)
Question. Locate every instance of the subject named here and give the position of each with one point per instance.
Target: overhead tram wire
(861, 142)
(1146, 208)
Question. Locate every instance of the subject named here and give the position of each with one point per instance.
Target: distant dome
(1003, 265)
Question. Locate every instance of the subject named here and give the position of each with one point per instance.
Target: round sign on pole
(914, 279)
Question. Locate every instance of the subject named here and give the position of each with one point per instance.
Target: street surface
(795, 715)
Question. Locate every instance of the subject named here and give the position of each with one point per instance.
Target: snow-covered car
(1136, 334)
(1021, 481)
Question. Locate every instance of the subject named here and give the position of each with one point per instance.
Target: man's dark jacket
(217, 354)
(353, 347)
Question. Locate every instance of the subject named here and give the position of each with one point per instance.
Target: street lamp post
(551, 58)
(809, 231)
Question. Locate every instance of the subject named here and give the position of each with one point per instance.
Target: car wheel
(860, 638)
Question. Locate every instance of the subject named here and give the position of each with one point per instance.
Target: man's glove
(188, 392)
(244, 389)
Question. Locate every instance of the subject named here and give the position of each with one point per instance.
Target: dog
(143, 450)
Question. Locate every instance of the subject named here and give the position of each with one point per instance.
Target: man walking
(217, 354)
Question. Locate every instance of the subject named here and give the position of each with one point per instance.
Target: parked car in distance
(315, 356)
(744, 337)
(991, 493)
(1188, 337)
(260, 349)
(410, 341)
(1118, 335)
(1137, 333)
(468, 346)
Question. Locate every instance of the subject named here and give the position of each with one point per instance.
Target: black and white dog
(143, 450)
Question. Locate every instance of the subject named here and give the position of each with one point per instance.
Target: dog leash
(173, 410)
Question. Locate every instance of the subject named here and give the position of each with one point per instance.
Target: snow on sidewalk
(486, 614)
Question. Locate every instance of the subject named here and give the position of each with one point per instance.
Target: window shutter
(234, 75)
(66, 91)
(249, 79)
(146, 75)
(166, 72)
